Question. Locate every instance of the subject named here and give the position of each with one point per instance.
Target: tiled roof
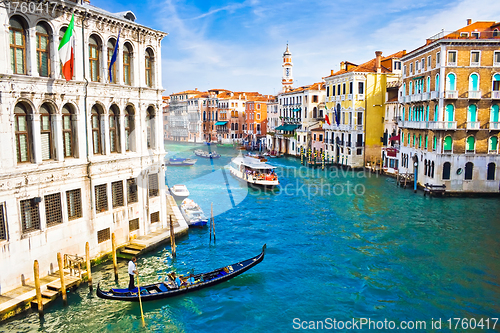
(186, 92)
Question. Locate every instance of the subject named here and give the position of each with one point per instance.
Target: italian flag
(67, 50)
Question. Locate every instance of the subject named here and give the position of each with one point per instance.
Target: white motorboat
(253, 171)
(179, 192)
(193, 214)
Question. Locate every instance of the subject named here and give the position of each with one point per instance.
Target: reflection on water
(388, 253)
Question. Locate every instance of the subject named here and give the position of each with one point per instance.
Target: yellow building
(355, 102)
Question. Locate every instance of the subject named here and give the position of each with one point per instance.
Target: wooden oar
(140, 302)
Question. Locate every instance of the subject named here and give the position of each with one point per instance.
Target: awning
(296, 110)
(220, 123)
(287, 127)
(394, 138)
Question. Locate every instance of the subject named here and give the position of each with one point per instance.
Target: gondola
(161, 290)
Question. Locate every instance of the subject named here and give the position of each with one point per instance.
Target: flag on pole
(327, 119)
(113, 57)
(67, 50)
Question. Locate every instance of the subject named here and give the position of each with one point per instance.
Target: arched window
(23, 133)
(327, 91)
(149, 67)
(94, 58)
(451, 82)
(17, 32)
(474, 82)
(410, 91)
(434, 143)
(236, 126)
(68, 132)
(97, 146)
(232, 126)
(496, 33)
(449, 113)
(114, 132)
(470, 144)
(204, 115)
(436, 113)
(129, 128)
(150, 127)
(496, 82)
(404, 89)
(494, 115)
(425, 167)
(43, 49)
(448, 144)
(436, 88)
(493, 144)
(428, 84)
(491, 171)
(469, 169)
(446, 170)
(61, 35)
(432, 169)
(420, 141)
(46, 120)
(315, 111)
(127, 63)
(426, 142)
(111, 49)
(472, 113)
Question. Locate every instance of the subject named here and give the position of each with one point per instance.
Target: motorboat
(179, 192)
(193, 214)
(253, 171)
(177, 161)
(206, 154)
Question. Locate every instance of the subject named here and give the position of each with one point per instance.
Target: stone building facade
(81, 159)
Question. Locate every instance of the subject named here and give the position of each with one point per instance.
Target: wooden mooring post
(115, 265)
(172, 237)
(61, 277)
(89, 273)
(36, 271)
(212, 218)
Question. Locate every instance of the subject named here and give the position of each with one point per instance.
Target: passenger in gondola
(191, 280)
(177, 280)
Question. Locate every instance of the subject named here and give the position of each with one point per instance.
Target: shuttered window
(30, 216)
(74, 203)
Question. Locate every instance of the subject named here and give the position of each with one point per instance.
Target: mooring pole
(213, 221)
(89, 273)
(172, 237)
(115, 265)
(37, 287)
(61, 277)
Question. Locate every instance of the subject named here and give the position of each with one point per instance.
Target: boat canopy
(253, 163)
(220, 123)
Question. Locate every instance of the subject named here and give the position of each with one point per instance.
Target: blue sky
(238, 45)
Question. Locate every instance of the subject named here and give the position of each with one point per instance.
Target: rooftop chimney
(195, 89)
(342, 65)
(469, 21)
(331, 72)
(378, 60)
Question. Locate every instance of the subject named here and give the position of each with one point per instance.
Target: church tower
(287, 80)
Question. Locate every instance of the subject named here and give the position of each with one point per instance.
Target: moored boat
(179, 192)
(205, 154)
(253, 171)
(167, 289)
(193, 214)
(177, 161)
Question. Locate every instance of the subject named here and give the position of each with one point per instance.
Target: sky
(238, 45)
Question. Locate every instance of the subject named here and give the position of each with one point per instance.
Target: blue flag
(113, 58)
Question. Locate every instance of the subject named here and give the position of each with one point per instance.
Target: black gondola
(168, 289)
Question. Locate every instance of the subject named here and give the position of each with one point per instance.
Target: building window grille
(131, 190)
(43, 50)
(153, 185)
(155, 217)
(17, 46)
(53, 210)
(23, 135)
(103, 235)
(101, 198)
(94, 58)
(46, 133)
(74, 202)
(117, 193)
(68, 141)
(3, 229)
(133, 225)
(30, 216)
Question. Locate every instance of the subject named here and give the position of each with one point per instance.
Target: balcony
(349, 97)
(473, 125)
(451, 94)
(426, 96)
(361, 97)
(433, 125)
(434, 94)
(495, 94)
(474, 94)
(342, 98)
(494, 125)
(416, 97)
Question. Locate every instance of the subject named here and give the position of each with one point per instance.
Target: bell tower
(287, 79)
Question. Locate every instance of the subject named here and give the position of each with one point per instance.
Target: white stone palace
(84, 158)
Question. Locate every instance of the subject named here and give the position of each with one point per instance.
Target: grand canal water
(339, 245)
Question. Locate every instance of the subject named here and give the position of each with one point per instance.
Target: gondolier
(132, 270)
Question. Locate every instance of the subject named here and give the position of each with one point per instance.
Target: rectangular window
(94, 61)
(496, 58)
(67, 135)
(429, 62)
(361, 87)
(475, 58)
(74, 202)
(131, 190)
(404, 71)
(422, 63)
(53, 210)
(117, 193)
(438, 59)
(417, 66)
(17, 50)
(42, 53)
(153, 185)
(474, 35)
(101, 198)
(452, 58)
(411, 68)
(155, 217)
(30, 216)
(343, 88)
(103, 235)
(133, 225)
(3, 229)
(464, 35)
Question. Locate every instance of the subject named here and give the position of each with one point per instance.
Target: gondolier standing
(132, 270)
